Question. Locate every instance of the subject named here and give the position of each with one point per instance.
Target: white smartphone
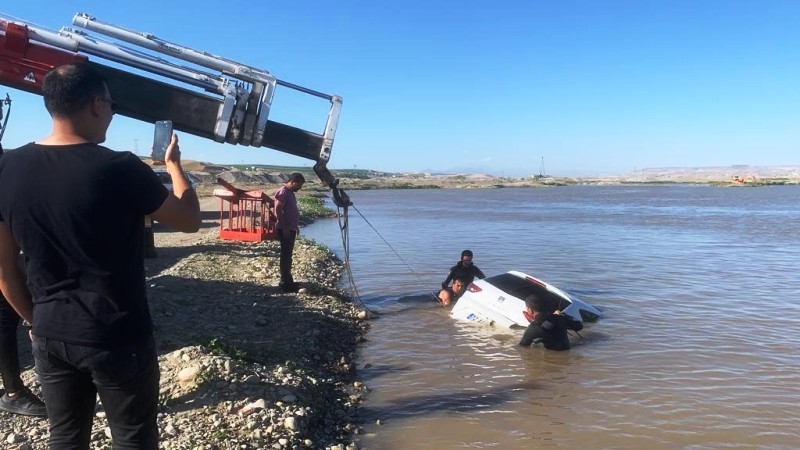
(161, 139)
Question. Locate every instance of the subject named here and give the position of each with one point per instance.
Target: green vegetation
(313, 207)
(220, 436)
(308, 172)
(358, 174)
(217, 347)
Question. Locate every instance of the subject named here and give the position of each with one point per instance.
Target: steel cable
(345, 232)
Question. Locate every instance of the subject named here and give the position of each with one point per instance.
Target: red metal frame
(249, 215)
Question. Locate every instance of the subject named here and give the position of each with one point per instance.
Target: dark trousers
(287, 248)
(126, 378)
(9, 353)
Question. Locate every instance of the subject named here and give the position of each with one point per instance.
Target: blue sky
(592, 87)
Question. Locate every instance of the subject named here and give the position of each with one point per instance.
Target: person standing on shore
(17, 398)
(76, 210)
(288, 225)
(464, 269)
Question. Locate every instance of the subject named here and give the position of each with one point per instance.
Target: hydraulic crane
(213, 97)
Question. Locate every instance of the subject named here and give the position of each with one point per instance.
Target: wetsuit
(551, 331)
(468, 274)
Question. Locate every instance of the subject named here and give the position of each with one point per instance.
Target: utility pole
(541, 169)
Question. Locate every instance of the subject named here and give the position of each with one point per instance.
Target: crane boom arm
(221, 100)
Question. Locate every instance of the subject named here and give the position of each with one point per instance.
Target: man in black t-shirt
(464, 269)
(76, 210)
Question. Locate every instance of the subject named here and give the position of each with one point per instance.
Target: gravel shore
(243, 365)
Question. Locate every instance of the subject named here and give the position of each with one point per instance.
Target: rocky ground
(243, 365)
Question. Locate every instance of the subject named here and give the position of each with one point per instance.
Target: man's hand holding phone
(173, 153)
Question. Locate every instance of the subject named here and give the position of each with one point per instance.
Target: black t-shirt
(77, 212)
(466, 273)
(551, 330)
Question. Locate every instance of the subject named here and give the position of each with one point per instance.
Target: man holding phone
(91, 327)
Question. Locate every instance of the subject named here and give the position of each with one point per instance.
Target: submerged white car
(499, 301)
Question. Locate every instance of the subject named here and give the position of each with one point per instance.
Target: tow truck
(203, 94)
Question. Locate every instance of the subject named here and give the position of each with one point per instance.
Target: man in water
(549, 326)
(464, 269)
(450, 294)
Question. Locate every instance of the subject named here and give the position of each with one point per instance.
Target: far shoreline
(268, 178)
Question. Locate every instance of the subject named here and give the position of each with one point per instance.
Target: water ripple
(697, 349)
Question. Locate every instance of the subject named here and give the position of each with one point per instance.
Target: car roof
(521, 287)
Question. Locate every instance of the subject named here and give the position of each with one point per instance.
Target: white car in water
(499, 301)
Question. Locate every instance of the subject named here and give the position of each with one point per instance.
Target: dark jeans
(287, 248)
(126, 378)
(9, 353)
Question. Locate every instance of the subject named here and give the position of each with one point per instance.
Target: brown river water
(697, 348)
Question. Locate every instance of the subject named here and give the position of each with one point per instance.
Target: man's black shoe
(23, 402)
(293, 287)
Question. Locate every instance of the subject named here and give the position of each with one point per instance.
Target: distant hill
(259, 176)
(194, 166)
(789, 173)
